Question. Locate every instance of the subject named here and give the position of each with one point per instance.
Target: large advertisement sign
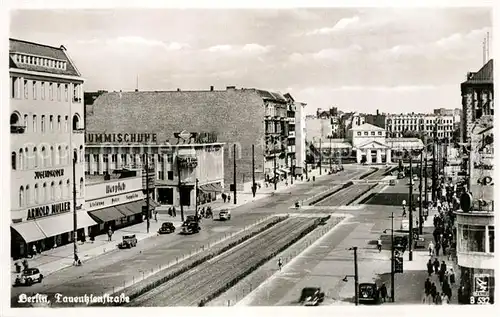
(112, 188)
(113, 200)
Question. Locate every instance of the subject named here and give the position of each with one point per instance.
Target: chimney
(211, 88)
(378, 112)
(230, 87)
(136, 90)
(178, 89)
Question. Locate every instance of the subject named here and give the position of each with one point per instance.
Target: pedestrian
(431, 248)
(433, 291)
(444, 299)
(228, 198)
(156, 215)
(437, 299)
(35, 251)
(441, 276)
(224, 197)
(429, 267)
(379, 245)
(438, 247)
(452, 276)
(25, 264)
(174, 213)
(427, 286)
(170, 211)
(383, 292)
(445, 245)
(110, 233)
(443, 267)
(436, 266)
(404, 211)
(280, 263)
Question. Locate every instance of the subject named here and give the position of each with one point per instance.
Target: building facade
(239, 117)
(476, 227)
(189, 167)
(477, 98)
(300, 137)
(377, 119)
(418, 125)
(46, 104)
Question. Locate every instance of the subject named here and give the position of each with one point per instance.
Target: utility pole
(292, 171)
(410, 199)
(147, 194)
(330, 154)
(234, 171)
(275, 181)
(434, 149)
(392, 257)
(254, 187)
(305, 164)
(356, 281)
(180, 187)
(420, 218)
(320, 156)
(75, 225)
(425, 188)
(196, 198)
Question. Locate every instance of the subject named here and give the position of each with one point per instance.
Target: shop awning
(217, 187)
(152, 204)
(130, 209)
(285, 170)
(54, 225)
(107, 214)
(280, 172)
(29, 230)
(210, 188)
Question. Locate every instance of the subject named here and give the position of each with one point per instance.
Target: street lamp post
(196, 198)
(275, 181)
(234, 172)
(75, 225)
(320, 156)
(330, 154)
(410, 205)
(147, 193)
(434, 176)
(180, 187)
(254, 185)
(420, 218)
(392, 257)
(356, 282)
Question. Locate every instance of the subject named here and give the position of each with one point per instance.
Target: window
(21, 159)
(43, 193)
(76, 93)
(123, 158)
(34, 90)
(169, 158)
(58, 92)
(66, 124)
(373, 132)
(473, 238)
(51, 91)
(43, 153)
(491, 234)
(42, 124)
(380, 133)
(66, 92)
(366, 133)
(52, 156)
(81, 187)
(36, 194)
(76, 122)
(25, 89)
(52, 191)
(161, 175)
(25, 158)
(105, 158)
(28, 196)
(13, 86)
(59, 123)
(81, 153)
(35, 156)
(34, 123)
(13, 160)
(21, 196)
(170, 175)
(160, 158)
(113, 158)
(51, 123)
(25, 122)
(42, 90)
(68, 189)
(60, 193)
(359, 133)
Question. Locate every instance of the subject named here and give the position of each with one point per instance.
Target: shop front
(208, 192)
(116, 204)
(46, 227)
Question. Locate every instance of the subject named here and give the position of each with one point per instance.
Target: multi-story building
(239, 117)
(46, 104)
(300, 137)
(188, 166)
(418, 124)
(476, 226)
(477, 97)
(377, 119)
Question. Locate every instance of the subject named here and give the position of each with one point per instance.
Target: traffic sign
(398, 264)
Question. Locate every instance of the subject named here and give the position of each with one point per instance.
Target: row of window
(421, 121)
(372, 133)
(127, 158)
(39, 61)
(46, 156)
(44, 193)
(31, 89)
(50, 123)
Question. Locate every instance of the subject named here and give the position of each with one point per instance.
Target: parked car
(225, 214)
(368, 293)
(166, 227)
(311, 296)
(128, 241)
(28, 277)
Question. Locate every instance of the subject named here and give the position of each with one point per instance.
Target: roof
(372, 143)
(232, 114)
(41, 50)
(483, 76)
(404, 143)
(269, 95)
(367, 127)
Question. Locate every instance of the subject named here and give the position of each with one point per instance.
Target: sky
(367, 59)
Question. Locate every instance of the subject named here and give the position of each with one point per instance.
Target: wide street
(327, 261)
(115, 268)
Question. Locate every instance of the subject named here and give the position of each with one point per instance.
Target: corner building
(46, 125)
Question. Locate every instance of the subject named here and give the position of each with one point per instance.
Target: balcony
(76, 99)
(291, 120)
(291, 134)
(17, 129)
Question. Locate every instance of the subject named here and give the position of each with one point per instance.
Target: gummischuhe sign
(120, 138)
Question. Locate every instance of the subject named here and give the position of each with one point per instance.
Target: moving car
(311, 296)
(128, 241)
(401, 175)
(225, 214)
(392, 182)
(28, 277)
(189, 227)
(166, 227)
(368, 293)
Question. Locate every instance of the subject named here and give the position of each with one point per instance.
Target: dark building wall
(237, 116)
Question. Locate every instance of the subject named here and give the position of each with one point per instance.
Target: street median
(329, 193)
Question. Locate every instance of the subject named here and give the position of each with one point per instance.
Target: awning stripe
(54, 225)
(107, 214)
(29, 230)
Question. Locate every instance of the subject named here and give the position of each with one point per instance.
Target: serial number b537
(480, 300)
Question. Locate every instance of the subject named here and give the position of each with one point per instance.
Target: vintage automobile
(128, 241)
(28, 277)
(189, 227)
(368, 293)
(311, 296)
(392, 182)
(225, 214)
(166, 227)
(401, 175)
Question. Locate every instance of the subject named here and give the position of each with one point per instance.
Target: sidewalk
(56, 259)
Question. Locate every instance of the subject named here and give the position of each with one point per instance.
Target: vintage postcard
(248, 157)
